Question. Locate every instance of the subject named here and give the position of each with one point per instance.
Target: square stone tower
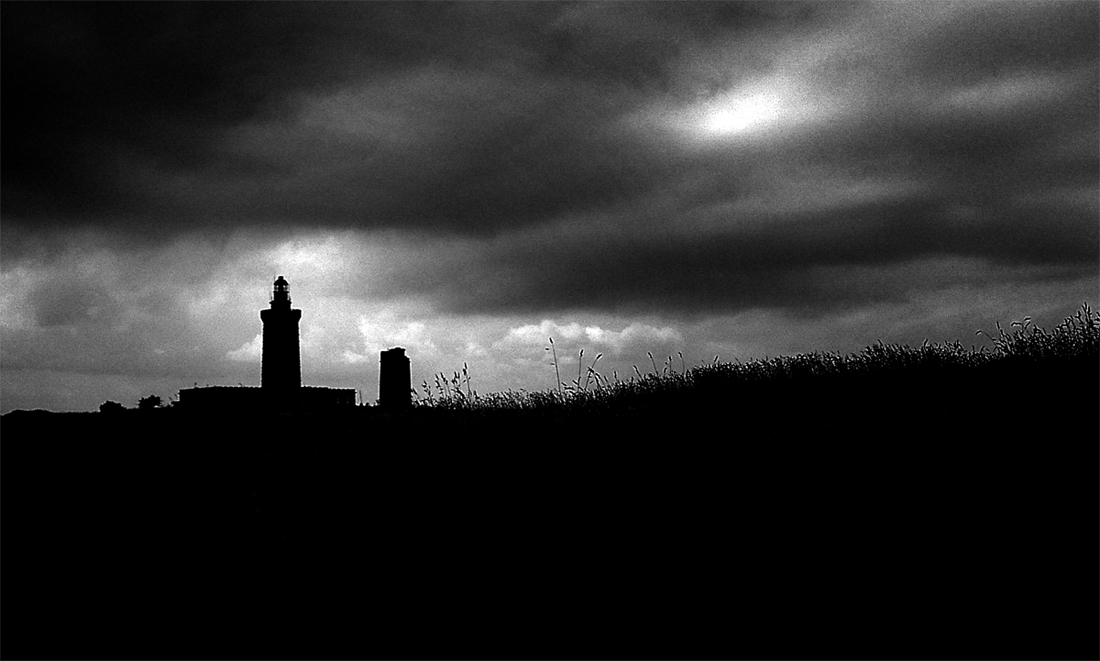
(394, 380)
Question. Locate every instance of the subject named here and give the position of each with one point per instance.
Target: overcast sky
(469, 179)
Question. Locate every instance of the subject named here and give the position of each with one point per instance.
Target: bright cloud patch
(633, 337)
(385, 329)
(16, 286)
(249, 352)
(741, 114)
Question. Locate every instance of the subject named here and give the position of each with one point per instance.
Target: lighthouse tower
(281, 371)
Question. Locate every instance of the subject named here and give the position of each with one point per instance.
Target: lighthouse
(281, 370)
(281, 386)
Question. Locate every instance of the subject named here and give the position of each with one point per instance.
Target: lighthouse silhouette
(281, 388)
(281, 371)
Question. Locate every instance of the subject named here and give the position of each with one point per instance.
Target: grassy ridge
(1017, 381)
(923, 502)
(1075, 341)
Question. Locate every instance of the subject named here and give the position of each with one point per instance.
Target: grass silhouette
(1077, 338)
(819, 380)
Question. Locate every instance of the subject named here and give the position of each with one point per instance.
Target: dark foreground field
(919, 512)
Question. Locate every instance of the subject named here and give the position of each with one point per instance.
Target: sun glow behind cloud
(773, 107)
(742, 113)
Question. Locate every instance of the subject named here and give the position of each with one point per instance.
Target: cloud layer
(456, 176)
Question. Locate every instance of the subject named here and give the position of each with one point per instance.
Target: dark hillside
(912, 503)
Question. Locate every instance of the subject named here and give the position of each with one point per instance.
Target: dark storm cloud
(987, 122)
(88, 86)
(810, 262)
(476, 154)
(915, 131)
(130, 112)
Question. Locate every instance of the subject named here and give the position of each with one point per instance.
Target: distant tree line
(144, 404)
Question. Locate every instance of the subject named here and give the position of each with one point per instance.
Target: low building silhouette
(245, 398)
(280, 371)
